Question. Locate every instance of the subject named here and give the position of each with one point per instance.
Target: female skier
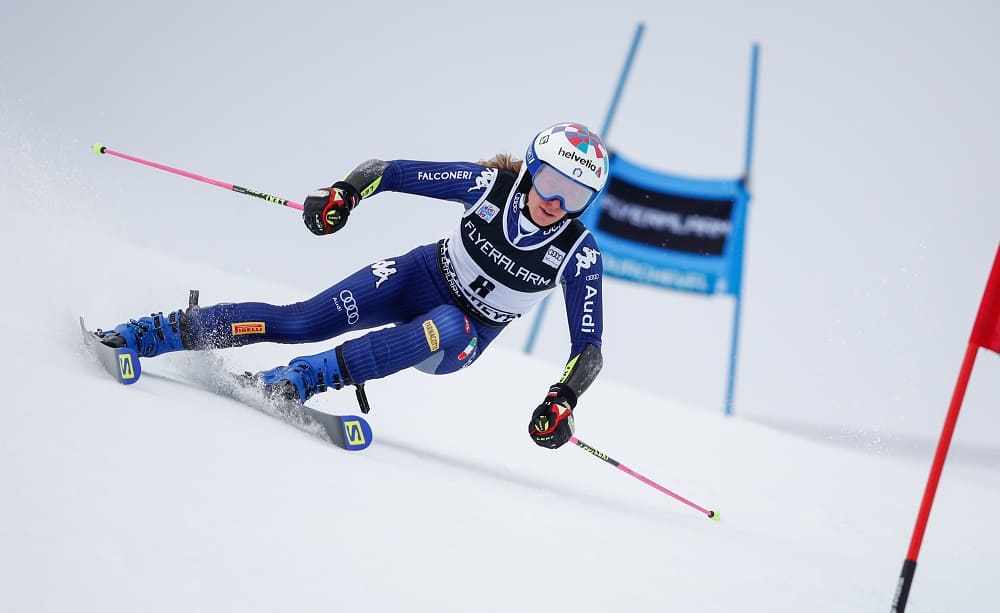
(518, 238)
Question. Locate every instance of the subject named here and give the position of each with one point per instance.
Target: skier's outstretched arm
(326, 209)
(552, 421)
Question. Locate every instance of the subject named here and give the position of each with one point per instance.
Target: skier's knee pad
(452, 338)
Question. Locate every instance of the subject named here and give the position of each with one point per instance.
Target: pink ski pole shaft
(625, 469)
(101, 149)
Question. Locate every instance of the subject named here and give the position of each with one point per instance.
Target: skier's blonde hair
(504, 162)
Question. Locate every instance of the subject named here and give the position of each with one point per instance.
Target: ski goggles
(554, 185)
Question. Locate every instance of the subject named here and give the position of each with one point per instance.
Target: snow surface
(871, 231)
(164, 497)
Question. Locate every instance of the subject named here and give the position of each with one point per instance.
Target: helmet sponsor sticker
(569, 154)
(582, 138)
(249, 327)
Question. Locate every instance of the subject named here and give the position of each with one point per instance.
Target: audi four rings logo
(350, 305)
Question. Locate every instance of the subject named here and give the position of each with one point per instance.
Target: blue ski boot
(304, 377)
(148, 336)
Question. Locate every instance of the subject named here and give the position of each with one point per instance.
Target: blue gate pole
(639, 29)
(751, 114)
(540, 315)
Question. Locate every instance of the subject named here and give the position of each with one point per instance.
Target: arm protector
(582, 369)
(367, 177)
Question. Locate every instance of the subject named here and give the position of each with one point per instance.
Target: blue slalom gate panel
(675, 232)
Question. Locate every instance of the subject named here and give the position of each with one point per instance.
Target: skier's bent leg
(305, 376)
(440, 342)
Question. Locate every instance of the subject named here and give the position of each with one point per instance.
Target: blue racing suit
(448, 300)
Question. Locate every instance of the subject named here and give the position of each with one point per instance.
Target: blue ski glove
(326, 210)
(552, 421)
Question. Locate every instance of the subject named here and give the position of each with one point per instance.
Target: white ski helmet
(570, 163)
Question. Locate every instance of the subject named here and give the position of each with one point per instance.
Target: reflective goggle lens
(553, 185)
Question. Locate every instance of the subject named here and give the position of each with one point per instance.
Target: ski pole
(99, 149)
(625, 469)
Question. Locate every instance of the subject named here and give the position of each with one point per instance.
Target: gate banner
(661, 229)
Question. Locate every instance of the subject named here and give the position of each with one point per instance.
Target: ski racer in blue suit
(518, 239)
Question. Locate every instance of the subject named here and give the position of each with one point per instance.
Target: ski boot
(148, 336)
(303, 377)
